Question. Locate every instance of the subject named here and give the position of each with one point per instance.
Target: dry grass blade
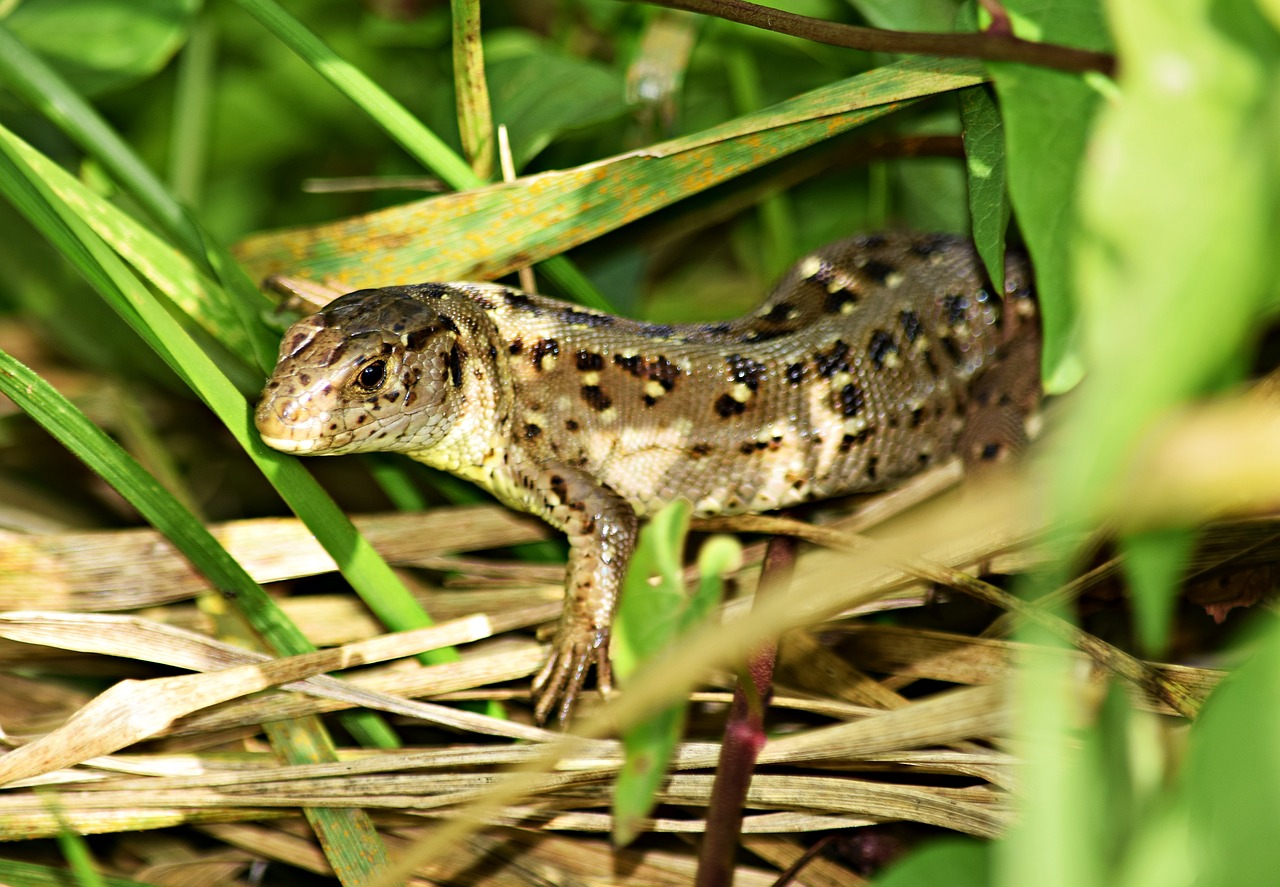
(131, 711)
(124, 569)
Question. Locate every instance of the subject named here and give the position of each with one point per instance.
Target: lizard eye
(372, 375)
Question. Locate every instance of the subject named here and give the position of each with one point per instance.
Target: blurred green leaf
(1233, 775)
(529, 82)
(1168, 307)
(1155, 563)
(908, 15)
(101, 45)
(956, 862)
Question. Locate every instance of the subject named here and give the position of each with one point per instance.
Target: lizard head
(376, 370)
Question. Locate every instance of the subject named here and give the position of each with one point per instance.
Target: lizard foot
(556, 688)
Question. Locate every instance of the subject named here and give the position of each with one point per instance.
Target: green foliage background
(1148, 203)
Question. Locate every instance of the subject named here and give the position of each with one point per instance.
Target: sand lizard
(872, 359)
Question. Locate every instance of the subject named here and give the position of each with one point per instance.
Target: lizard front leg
(601, 527)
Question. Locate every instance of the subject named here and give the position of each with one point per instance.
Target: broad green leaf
(653, 614)
(528, 83)
(653, 595)
(956, 862)
(100, 45)
(1172, 273)
(908, 15)
(1154, 563)
(486, 232)
(1047, 115)
(984, 158)
(1233, 774)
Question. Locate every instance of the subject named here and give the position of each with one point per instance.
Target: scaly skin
(874, 358)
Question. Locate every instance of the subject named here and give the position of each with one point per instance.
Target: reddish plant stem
(744, 735)
(991, 45)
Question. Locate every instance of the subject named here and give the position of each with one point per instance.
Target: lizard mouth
(289, 444)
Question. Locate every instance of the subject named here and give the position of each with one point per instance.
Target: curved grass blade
(349, 834)
(487, 232)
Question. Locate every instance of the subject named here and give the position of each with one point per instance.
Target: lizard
(872, 359)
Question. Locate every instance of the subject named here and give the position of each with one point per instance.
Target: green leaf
(1172, 273)
(956, 862)
(1233, 774)
(1047, 116)
(653, 595)
(985, 160)
(528, 82)
(487, 232)
(1154, 563)
(908, 15)
(100, 45)
(653, 614)
(27, 874)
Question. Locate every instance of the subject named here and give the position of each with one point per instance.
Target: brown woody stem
(991, 45)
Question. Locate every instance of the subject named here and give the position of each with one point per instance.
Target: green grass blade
(38, 84)
(367, 572)
(28, 874)
(402, 126)
(487, 232)
(303, 741)
(475, 120)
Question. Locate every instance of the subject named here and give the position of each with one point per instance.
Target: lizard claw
(556, 688)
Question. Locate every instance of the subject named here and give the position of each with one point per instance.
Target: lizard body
(872, 359)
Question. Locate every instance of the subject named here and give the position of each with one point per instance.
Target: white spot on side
(591, 377)
(741, 392)
(810, 266)
(893, 279)
(654, 389)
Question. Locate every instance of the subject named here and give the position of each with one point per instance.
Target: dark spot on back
(955, 306)
(881, 346)
(779, 313)
(878, 271)
(517, 299)
(516, 346)
(795, 373)
(304, 378)
(531, 431)
(727, 406)
(655, 330)
(586, 318)
(836, 360)
(541, 349)
(917, 416)
(952, 348)
(746, 371)
(835, 302)
(927, 246)
(699, 450)
(910, 321)
(852, 400)
(633, 364)
(571, 424)
(872, 470)
(588, 361)
(595, 398)
(455, 365)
